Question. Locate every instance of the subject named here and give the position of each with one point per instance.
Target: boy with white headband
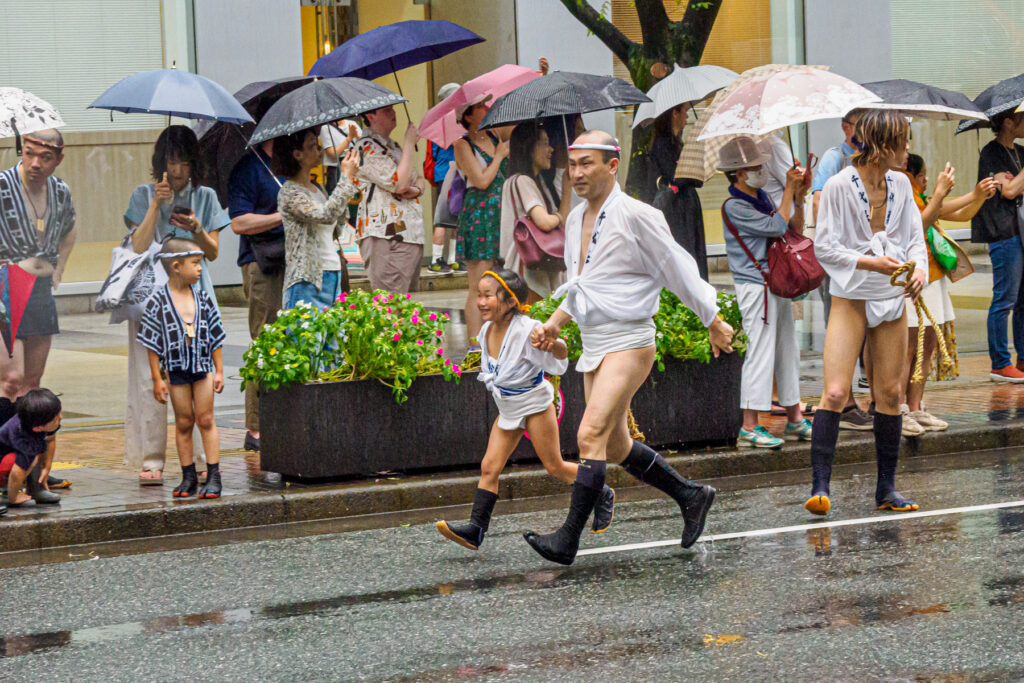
(619, 254)
(182, 330)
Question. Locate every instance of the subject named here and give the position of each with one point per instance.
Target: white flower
(305, 325)
(259, 362)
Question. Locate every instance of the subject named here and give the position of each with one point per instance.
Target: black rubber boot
(824, 435)
(604, 511)
(888, 430)
(211, 489)
(189, 482)
(694, 499)
(561, 546)
(472, 535)
(38, 492)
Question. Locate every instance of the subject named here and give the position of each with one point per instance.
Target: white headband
(180, 254)
(593, 145)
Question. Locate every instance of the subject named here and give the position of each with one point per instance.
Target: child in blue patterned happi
(182, 330)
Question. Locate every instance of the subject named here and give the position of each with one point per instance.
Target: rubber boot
(694, 499)
(562, 546)
(824, 434)
(604, 511)
(211, 489)
(189, 482)
(472, 535)
(888, 430)
(38, 492)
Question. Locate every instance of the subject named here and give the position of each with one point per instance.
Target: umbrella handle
(405, 105)
(238, 128)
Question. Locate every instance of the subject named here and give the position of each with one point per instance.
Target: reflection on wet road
(771, 594)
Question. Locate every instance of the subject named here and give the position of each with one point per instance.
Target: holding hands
(545, 337)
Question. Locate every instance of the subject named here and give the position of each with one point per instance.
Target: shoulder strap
(736, 234)
(517, 199)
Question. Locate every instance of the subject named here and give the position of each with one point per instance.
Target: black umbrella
(924, 101)
(1001, 97)
(222, 144)
(561, 93)
(322, 101)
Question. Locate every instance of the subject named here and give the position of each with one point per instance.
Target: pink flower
(458, 370)
(414, 319)
(438, 333)
(447, 317)
(408, 296)
(398, 335)
(440, 351)
(447, 361)
(376, 297)
(389, 310)
(352, 306)
(419, 342)
(432, 317)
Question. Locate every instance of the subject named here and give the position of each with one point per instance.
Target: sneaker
(798, 431)
(929, 421)
(1007, 374)
(458, 267)
(440, 267)
(856, 419)
(910, 426)
(1020, 363)
(863, 383)
(759, 437)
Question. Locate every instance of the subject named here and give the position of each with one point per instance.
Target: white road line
(805, 527)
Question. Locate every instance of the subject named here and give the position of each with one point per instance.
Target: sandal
(806, 408)
(156, 478)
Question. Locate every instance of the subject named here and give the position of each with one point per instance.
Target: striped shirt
(163, 331)
(18, 237)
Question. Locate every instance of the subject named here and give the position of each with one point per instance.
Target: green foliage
(680, 333)
(365, 335)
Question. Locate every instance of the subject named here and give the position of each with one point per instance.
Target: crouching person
(31, 436)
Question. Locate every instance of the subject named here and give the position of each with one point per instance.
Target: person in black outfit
(676, 197)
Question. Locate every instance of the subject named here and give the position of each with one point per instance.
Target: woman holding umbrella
(175, 204)
(481, 158)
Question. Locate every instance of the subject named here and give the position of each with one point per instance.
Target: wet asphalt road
(931, 598)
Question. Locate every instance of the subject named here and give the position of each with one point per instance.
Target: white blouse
(519, 366)
(631, 257)
(844, 234)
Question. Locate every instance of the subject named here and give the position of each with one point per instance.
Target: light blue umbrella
(172, 92)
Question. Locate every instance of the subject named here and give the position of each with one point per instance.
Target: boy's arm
(218, 366)
(159, 387)
(47, 462)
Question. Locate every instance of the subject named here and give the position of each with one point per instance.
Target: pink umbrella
(785, 98)
(439, 124)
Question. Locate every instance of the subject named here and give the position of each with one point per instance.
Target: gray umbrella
(561, 93)
(322, 101)
(1004, 96)
(924, 101)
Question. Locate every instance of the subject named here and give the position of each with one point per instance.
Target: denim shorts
(321, 298)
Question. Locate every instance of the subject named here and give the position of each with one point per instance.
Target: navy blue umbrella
(172, 92)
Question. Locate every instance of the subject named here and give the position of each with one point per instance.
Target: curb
(447, 489)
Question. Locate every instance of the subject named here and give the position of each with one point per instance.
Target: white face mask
(756, 179)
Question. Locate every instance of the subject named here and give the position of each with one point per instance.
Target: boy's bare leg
(202, 401)
(184, 419)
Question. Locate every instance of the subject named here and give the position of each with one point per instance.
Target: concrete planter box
(343, 429)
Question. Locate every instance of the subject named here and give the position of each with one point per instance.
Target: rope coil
(946, 360)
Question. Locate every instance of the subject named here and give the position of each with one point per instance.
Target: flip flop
(152, 481)
(777, 409)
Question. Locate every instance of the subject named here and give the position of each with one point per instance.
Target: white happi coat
(516, 377)
(615, 293)
(843, 235)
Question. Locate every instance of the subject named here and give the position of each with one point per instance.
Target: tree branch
(654, 27)
(690, 34)
(617, 42)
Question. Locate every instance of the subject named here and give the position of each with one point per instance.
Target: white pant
(145, 420)
(772, 350)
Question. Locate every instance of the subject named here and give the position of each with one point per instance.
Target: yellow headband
(522, 307)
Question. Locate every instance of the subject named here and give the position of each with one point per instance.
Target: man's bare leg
(36, 351)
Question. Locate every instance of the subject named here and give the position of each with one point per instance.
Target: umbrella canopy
(390, 48)
(772, 101)
(222, 144)
(172, 93)
(322, 101)
(22, 112)
(1004, 96)
(439, 124)
(699, 159)
(924, 101)
(15, 289)
(561, 93)
(682, 85)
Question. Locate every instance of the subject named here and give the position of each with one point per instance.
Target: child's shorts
(180, 377)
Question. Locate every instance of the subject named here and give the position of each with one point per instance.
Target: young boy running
(182, 330)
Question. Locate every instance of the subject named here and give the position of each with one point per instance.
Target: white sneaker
(911, 428)
(929, 421)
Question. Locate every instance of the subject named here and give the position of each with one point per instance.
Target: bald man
(37, 232)
(619, 254)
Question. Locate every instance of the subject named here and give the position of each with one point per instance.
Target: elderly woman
(313, 269)
(389, 224)
(175, 204)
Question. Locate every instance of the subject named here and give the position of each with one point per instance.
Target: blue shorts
(321, 298)
(180, 377)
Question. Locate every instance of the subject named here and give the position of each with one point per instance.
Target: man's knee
(834, 397)
(592, 434)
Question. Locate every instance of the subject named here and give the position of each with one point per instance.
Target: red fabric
(6, 465)
(17, 285)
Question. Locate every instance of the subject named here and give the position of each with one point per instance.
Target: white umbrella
(22, 112)
(682, 85)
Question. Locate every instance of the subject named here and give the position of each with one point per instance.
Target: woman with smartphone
(174, 204)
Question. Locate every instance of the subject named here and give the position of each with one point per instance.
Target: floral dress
(479, 232)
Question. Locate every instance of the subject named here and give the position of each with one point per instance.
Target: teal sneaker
(798, 431)
(759, 437)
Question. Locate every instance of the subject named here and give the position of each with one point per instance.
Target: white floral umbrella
(769, 102)
(22, 112)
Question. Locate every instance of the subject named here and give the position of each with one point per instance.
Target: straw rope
(946, 360)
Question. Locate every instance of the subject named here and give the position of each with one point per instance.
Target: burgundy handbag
(793, 268)
(537, 249)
